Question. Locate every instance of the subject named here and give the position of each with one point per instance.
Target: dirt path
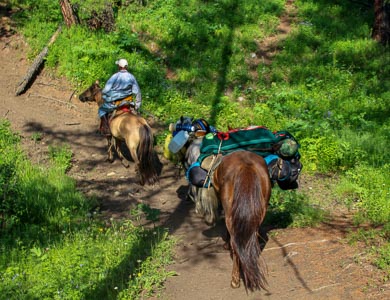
(310, 263)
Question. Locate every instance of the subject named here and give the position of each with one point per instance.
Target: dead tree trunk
(32, 71)
(69, 13)
(102, 19)
(381, 28)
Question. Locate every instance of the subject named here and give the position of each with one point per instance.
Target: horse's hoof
(126, 165)
(210, 220)
(234, 284)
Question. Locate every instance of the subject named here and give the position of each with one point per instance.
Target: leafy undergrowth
(376, 247)
(117, 262)
(328, 84)
(54, 244)
(293, 209)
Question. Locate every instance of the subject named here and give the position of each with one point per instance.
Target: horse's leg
(133, 153)
(124, 161)
(110, 153)
(227, 245)
(235, 283)
(226, 197)
(132, 146)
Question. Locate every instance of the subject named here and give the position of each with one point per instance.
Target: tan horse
(135, 132)
(243, 186)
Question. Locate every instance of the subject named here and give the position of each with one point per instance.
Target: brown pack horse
(243, 186)
(134, 131)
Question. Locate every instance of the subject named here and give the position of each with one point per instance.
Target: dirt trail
(310, 263)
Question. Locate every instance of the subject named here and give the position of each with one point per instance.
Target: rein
(216, 160)
(98, 99)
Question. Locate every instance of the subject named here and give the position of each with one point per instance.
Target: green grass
(371, 198)
(95, 263)
(376, 245)
(328, 83)
(54, 244)
(292, 209)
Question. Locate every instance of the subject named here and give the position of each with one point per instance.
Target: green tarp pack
(258, 139)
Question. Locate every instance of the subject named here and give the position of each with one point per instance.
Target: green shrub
(328, 83)
(10, 161)
(368, 189)
(356, 53)
(377, 246)
(320, 154)
(52, 244)
(292, 209)
(34, 195)
(61, 156)
(96, 263)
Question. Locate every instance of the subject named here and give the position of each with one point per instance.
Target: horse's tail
(146, 156)
(248, 211)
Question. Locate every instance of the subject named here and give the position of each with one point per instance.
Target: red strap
(224, 136)
(124, 108)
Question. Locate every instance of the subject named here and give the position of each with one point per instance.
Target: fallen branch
(325, 286)
(47, 84)
(26, 80)
(53, 99)
(71, 96)
(294, 244)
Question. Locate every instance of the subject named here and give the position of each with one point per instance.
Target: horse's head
(93, 93)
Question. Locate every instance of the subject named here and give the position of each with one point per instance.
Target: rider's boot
(104, 126)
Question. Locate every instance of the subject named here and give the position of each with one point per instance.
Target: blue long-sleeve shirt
(119, 86)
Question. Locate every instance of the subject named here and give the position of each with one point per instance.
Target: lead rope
(214, 164)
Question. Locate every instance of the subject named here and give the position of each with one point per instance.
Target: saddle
(125, 105)
(201, 174)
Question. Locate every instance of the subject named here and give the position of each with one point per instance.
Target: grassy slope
(328, 82)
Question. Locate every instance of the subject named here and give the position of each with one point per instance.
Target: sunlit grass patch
(95, 263)
(377, 246)
(368, 189)
(326, 82)
(53, 245)
(293, 209)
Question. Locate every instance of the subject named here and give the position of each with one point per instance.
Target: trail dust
(303, 263)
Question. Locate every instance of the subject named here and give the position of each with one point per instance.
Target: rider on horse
(119, 91)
